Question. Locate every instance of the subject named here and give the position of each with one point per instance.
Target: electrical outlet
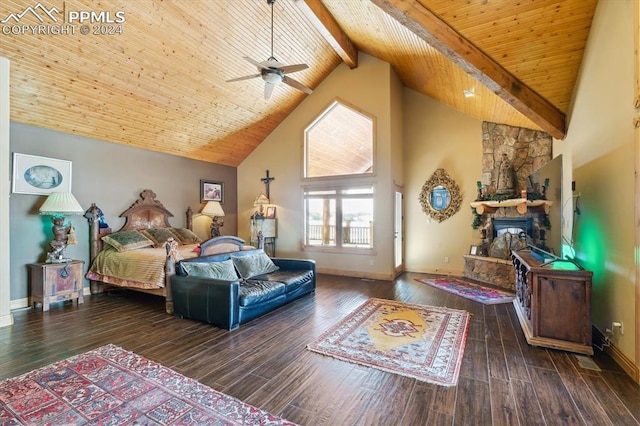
(446, 259)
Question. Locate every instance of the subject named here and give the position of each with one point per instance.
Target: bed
(142, 255)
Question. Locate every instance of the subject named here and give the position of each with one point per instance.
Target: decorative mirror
(440, 196)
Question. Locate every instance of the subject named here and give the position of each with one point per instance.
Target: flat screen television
(551, 173)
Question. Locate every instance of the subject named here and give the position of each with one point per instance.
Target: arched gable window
(340, 142)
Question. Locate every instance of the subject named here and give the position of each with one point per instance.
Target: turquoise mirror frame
(439, 187)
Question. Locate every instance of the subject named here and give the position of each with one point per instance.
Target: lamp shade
(61, 204)
(213, 209)
(260, 200)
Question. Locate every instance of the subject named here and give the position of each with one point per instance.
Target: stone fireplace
(512, 216)
(528, 227)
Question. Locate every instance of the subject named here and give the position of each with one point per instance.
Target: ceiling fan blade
(296, 84)
(247, 77)
(268, 90)
(294, 68)
(256, 63)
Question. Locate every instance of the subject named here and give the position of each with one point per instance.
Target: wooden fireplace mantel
(522, 205)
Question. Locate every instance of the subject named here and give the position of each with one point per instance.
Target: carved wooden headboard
(145, 213)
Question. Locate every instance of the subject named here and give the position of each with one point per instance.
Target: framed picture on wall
(40, 175)
(271, 212)
(211, 191)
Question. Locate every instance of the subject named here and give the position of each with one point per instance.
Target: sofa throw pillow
(187, 236)
(159, 236)
(223, 270)
(253, 265)
(127, 240)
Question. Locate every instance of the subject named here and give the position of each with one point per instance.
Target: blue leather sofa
(229, 302)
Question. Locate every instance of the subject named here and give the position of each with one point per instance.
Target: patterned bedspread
(140, 268)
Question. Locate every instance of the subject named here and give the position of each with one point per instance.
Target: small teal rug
(478, 293)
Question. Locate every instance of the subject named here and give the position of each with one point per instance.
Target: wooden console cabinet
(553, 303)
(269, 229)
(55, 282)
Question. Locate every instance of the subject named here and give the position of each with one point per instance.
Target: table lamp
(214, 210)
(260, 202)
(58, 205)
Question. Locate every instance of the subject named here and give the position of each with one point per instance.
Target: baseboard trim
(24, 302)
(356, 274)
(438, 271)
(19, 303)
(600, 341)
(6, 320)
(386, 277)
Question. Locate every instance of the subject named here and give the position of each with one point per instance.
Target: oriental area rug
(478, 293)
(422, 342)
(109, 385)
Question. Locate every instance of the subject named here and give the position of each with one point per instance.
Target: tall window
(339, 218)
(339, 142)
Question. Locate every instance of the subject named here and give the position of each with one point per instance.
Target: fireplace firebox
(513, 225)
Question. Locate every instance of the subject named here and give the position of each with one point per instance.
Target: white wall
(436, 136)
(5, 290)
(600, 140)
(415, 136)
(368, 87)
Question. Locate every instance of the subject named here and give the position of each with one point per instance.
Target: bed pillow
(127, 240)
(159, 236)
(253, 265)
(187, 236)
(223, 270)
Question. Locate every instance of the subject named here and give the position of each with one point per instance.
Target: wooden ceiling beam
(439, 35)
(323, 21)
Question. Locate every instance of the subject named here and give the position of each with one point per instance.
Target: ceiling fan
(273, 72)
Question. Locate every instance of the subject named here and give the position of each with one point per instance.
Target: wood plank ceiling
(161, 84)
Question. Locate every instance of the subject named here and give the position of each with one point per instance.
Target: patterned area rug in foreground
(423, 342)
(109, 385)
(478, 293)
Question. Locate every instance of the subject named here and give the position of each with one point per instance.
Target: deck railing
(351, 235)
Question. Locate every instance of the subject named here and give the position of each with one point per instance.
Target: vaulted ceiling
(159, 82)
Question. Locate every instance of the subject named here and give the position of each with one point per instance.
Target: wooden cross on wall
(267, 180)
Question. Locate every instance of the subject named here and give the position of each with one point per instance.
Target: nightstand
(56, 282)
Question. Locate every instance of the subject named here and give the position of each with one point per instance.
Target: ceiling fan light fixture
(272, 77)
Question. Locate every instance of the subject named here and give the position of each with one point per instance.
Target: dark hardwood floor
(503, 380)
